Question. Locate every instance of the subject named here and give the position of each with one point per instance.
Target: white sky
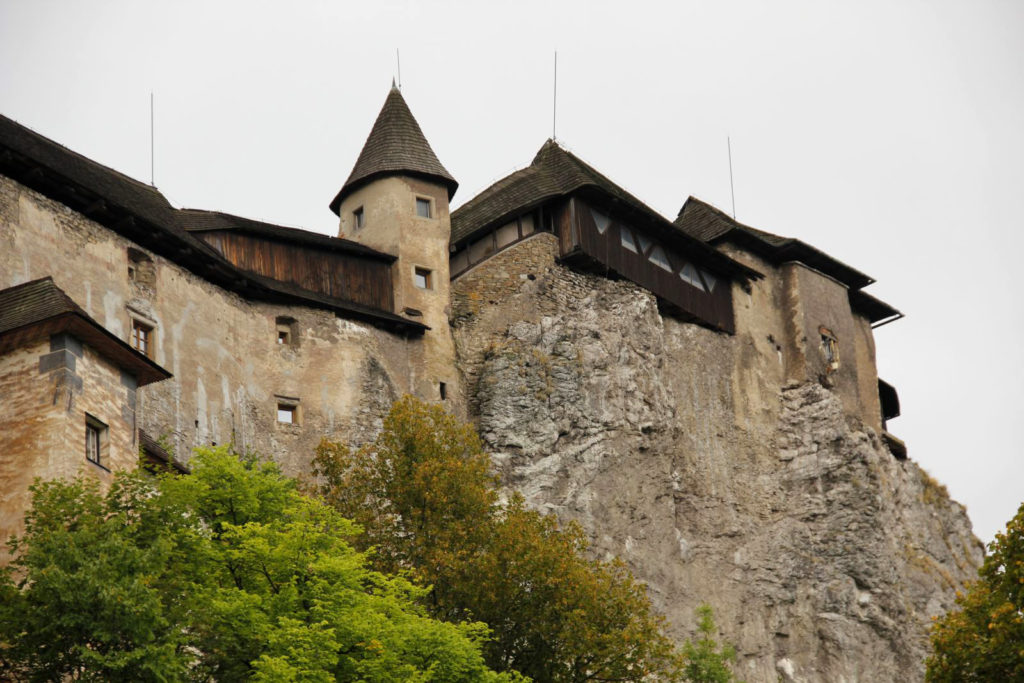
(888, 134)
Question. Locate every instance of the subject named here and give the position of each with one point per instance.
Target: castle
(583, 332)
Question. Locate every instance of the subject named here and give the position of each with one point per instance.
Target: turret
(396, 200)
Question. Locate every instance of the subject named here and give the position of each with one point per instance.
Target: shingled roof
(37, 309)
(395, 146)
(712, 225)
(199, 220)
(556, 172)
(142, 214)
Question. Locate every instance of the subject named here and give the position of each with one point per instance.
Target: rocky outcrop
(823, 556)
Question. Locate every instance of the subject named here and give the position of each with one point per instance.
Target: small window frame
(358, 219)
(424, 276)
(142, 337)
(287, 407)
(97, 437)
(427, 206)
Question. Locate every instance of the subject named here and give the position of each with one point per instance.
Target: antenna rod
(732, 189)
(554, 100)
(398, 58)
(152, 179)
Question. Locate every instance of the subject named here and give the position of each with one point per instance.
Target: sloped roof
(395, 146)
(142, 214)
(556, 172)
(199, 220)
(712, 225)
(35, 309)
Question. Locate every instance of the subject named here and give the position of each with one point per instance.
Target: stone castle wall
(229, 371)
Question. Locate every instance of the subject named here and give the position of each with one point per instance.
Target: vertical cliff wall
(687, 453)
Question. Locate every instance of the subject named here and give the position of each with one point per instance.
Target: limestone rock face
(823, 556)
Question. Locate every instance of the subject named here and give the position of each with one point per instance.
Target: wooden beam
(95, 207)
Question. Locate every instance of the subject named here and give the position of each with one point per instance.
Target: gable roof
(556, 172)
(37, 309)
(395, 146)
(143, 215)
(199, 220)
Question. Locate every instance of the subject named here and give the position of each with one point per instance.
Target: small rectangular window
(142, 338)
(422, 278)
(443, 390)
(358, 218)
(422, 207)
(830, 347)
(286, 413)
(95, 441)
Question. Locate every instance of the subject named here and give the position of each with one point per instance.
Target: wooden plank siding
(335, 274)
(582, 243)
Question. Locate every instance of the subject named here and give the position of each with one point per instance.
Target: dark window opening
(443, 390)
(830, 347)
(285, 331)
(358, 218)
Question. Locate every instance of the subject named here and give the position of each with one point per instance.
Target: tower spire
(395, 146)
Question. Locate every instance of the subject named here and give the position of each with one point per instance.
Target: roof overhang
(89, 332)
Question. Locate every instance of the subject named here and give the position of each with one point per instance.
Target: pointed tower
(396, 200)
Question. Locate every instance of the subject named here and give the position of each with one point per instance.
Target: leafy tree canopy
(226, 574)
(425, 496)
(983, 639)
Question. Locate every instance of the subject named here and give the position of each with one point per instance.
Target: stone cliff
(683, 452)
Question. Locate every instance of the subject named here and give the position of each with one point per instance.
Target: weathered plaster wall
(228, 369)
(48, 388)
(693, 456)
(392, 226)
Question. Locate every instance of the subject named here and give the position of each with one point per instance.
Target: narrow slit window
(659, 258)
(627, 239)
(422, 278)
(95, 441)
(422, 207)
(442, 389)
(830, 348)
(358, 218)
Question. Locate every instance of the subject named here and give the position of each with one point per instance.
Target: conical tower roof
(395, 146)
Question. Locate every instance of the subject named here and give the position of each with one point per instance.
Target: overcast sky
(889, 134)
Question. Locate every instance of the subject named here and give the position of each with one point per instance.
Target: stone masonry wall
(229, 372)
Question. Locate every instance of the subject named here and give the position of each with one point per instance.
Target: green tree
(983, 639)
(424, 493)
(226, 574)
(706, 662)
